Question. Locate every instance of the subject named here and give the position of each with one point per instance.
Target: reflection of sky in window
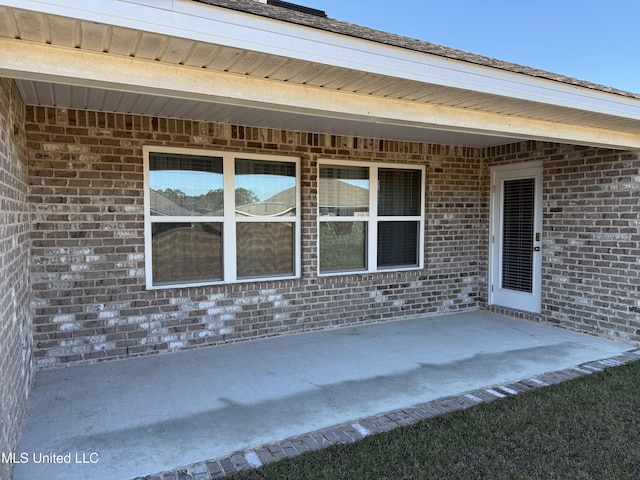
(265, 186)
(189, 182)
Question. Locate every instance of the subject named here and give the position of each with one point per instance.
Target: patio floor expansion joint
(354, 431)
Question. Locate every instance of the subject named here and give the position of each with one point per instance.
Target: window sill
(221, 283)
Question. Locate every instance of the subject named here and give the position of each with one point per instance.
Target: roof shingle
(349, 29)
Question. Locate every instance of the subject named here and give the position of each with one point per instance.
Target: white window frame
(373, 218)
(229, 219)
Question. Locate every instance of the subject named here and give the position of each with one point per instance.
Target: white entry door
(516, 237)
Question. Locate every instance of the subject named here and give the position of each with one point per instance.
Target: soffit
(112, 40)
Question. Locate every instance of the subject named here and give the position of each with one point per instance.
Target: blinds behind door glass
(517, 235)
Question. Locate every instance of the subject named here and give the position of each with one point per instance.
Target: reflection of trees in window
(245, 197)
(174, 201)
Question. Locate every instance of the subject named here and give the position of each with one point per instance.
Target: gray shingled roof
(365, 33)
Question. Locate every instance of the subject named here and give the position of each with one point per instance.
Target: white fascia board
(206, 23)
(28, 61)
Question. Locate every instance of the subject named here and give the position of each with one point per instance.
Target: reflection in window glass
(399, 192)
(344, 191)
(265, 249)
(343, 246)
(185, 185)
(265, 188)
(186, 252)
(398, 244)
(380, 210)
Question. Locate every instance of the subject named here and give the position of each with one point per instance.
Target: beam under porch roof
(29, 61)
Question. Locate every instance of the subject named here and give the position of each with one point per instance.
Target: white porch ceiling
(87, 98)
(112, 46)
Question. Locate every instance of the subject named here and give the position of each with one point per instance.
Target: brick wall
(591, 239)
(15, 314)
(86, 176)
(87, 265)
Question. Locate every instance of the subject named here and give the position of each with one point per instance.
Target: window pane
(265, 249)
(186, 252)
(344, 191)
(398, 244)
(517, 234)
(343, 246)
(185, 185)
(265, 188)
(399, 192)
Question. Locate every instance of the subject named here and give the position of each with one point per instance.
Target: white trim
(207, 23)
(22, 60)
(496, 295)
(148, 261)
(229, 220)
(372, 219)
(229, 264)
(372, 231)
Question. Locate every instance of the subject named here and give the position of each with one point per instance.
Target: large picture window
(219, 217)
(370, 217)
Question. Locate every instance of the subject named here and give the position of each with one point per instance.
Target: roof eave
(215, 25)
(225, 26)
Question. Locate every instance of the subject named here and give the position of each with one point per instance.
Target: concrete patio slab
(131, 418)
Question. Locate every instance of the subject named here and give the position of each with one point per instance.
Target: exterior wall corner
(16, 339)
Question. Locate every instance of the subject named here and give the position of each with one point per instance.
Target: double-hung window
(370, 217)
(220, 217)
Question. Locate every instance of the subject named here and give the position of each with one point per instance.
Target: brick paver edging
(352, 432)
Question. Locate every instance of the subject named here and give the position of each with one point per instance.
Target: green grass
(588, 428)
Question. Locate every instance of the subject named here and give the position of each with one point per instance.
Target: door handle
(536, 249)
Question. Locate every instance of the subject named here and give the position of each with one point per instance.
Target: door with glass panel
(516, 237)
